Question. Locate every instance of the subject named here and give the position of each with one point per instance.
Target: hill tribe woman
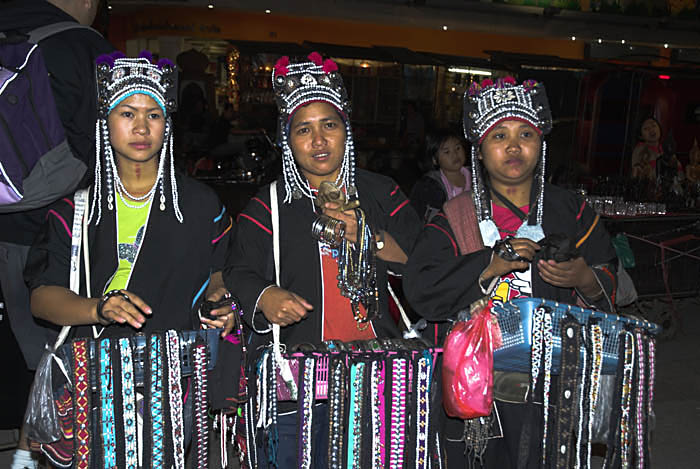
(514, 210)
(332, 285)
(157, 240)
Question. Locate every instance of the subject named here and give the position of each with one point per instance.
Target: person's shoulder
(561, 198)
(374, 181)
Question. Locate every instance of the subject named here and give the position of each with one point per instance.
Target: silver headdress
(485, 106)
(300, 83)
(118, 78)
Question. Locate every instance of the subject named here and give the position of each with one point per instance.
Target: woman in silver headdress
(340, 231)
(490, 241)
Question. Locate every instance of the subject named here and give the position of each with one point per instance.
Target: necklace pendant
(110, 202)
(162, 203)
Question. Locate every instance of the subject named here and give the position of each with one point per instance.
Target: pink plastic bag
(467, 367)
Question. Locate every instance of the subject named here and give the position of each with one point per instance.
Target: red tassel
(329, 66)
(316, 58)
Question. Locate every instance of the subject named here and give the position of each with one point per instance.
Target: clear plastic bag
(41, 419)
(467, 368)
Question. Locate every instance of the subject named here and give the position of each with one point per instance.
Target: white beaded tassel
(540, 201)
(173, 180)
(97, 190)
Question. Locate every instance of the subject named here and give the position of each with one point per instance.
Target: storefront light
(364, 64)
(469, 71)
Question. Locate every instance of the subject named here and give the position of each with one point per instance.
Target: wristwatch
(380, 242)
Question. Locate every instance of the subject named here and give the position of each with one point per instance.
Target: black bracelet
(104, 299)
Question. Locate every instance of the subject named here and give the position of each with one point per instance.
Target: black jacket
(70, 58)
(439, 282)
(173, 265)
(251, 269)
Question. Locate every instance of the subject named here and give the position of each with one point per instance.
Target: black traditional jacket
(252, 265)
(439, 282)
(172, 268)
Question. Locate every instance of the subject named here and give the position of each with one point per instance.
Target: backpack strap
(461, 214)
(39, 34)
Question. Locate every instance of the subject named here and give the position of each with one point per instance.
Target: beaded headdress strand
(118, 78)
(485, 106)
(297, 84)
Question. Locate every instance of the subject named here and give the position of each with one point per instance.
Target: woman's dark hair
(435, 139)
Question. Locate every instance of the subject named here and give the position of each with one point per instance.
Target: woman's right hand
(118, 309)
(498, 267)
(283, 307)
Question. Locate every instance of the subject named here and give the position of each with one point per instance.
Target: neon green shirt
(131, 227)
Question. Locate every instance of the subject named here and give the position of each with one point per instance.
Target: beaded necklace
(357, 273)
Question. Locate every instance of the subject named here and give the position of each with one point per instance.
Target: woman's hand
(123, 308)
(570, 274)
(283, 307)
(498, 266)
(224, 315)
(349, 218)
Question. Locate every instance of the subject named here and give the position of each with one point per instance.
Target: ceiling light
(600, 41)
(469, 71)
(454, 89)
(210, 6)
(666, 46)
(573, 38)
(268, 11)
(109, 7)
(444, 27)
(364, 64)
(623, 41)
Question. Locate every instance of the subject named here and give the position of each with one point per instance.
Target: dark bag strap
(39, 34)
(461, 214)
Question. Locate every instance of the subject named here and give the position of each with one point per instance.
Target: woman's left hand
(570, 274)
(224, 315)
(349, 218)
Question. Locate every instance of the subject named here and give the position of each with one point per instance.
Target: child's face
(136, 129)
(510, 152)
(451, 156)
(651, 131)
(317, 140)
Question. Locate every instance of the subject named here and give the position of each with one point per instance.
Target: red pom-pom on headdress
(510, 80)
(486, 82)
(316, 58)
(329, 66)
(281, 66)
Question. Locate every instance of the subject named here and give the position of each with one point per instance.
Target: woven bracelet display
(175, 398)
(306, 402)
(108, 439)
(355, 416)
(422, 380)
(200, 406)
(377, 410)
(154, 399)
(641, 408)
(336, 414)
(131, 456)
(398, 412)
(82, 404)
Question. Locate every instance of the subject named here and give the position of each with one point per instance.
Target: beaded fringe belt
(379, 395)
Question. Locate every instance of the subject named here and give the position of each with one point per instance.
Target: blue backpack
(37, 165)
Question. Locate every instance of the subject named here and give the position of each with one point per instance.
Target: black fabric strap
(568, 387)
(510, 205)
